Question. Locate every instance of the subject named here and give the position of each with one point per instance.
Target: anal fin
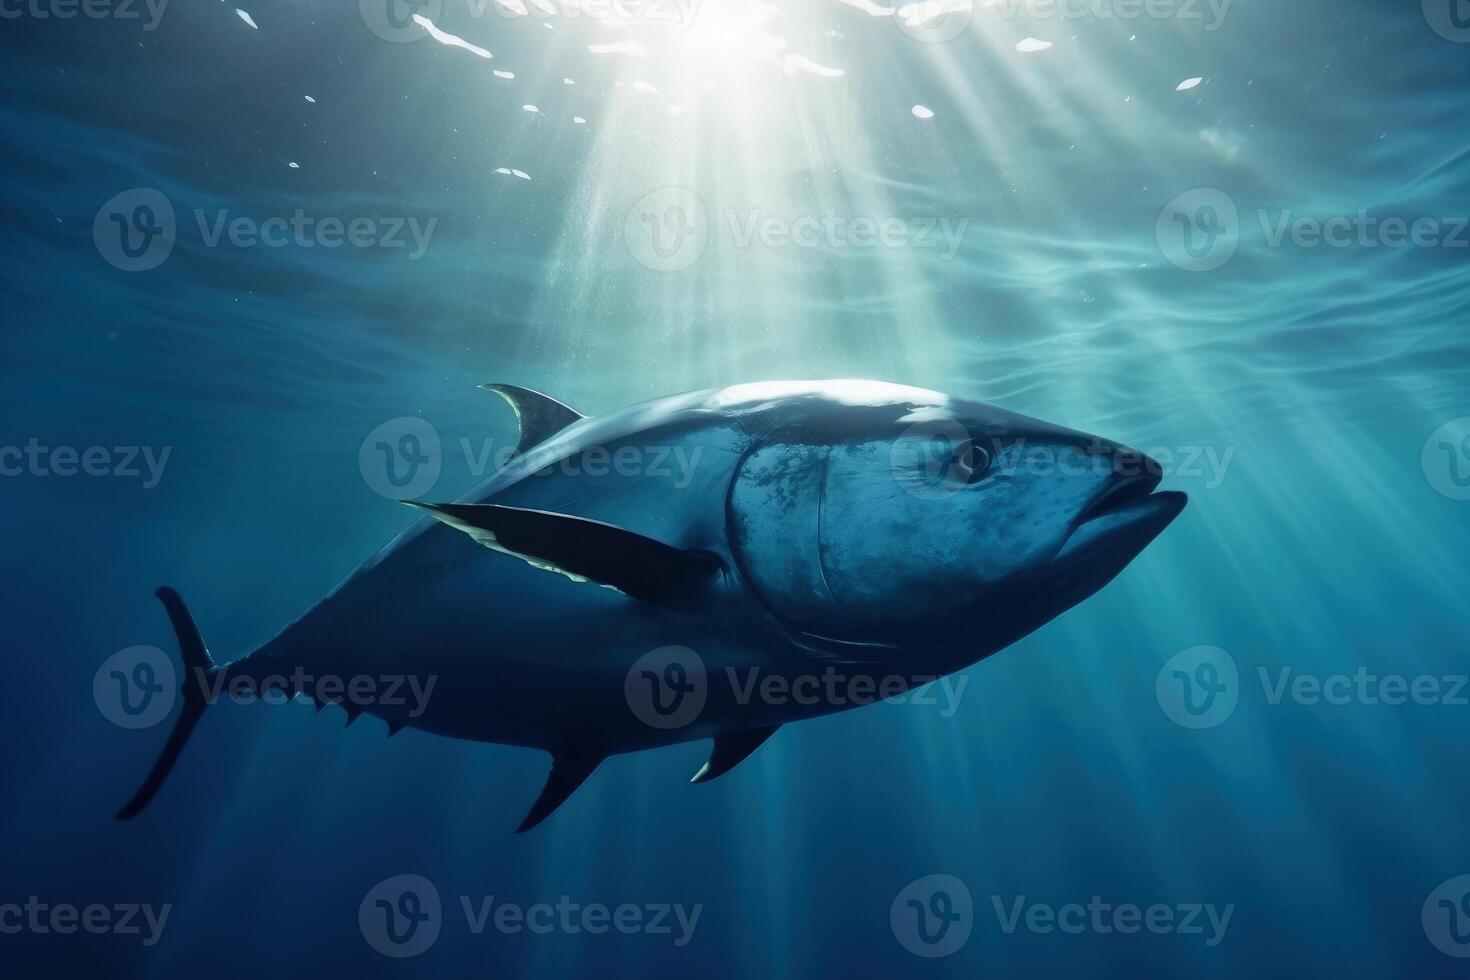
(569, 770)
(731, 750)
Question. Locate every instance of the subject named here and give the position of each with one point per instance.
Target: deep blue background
(1324, 547)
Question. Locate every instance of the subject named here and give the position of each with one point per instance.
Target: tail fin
(196, 665)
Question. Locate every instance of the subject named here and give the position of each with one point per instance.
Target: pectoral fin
(540, 416)
(582, 549)
(731, 750)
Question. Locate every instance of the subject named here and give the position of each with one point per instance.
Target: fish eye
(971, 463)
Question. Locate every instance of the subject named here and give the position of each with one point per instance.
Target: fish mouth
(1117, 525)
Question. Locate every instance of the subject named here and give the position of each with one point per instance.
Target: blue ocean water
(242, 242)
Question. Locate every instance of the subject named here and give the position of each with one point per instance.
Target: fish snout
(1126, 474)
(1125, 512)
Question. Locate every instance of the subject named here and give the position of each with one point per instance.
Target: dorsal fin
(569, 769)
(730, 750)
(540, 416)
(583, 549)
